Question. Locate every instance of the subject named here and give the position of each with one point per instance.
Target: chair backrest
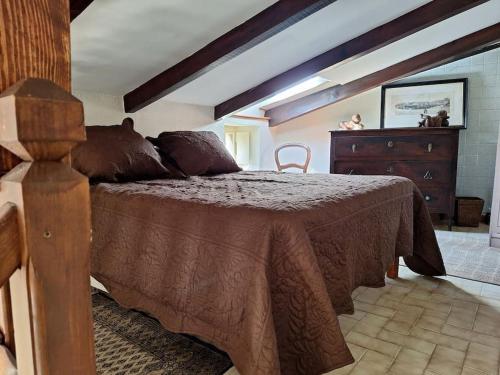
(293, 165)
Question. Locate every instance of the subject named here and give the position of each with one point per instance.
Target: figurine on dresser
(435, 121)
(354, 124)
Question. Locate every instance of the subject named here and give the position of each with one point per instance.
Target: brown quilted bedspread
(258, 263)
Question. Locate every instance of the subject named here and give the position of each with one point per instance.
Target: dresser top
(398, 131)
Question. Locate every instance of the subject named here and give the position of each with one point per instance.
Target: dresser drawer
(427, 147)
(423, 173)
(438, 200)
(427, 156)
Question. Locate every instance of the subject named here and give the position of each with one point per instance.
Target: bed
(259, 264)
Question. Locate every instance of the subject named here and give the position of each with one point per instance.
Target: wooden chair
(293, 165)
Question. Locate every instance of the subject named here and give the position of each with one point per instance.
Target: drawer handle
(390, 169)
(353, 147)
(427, 198)
(427, 175)
(390, 144)
(429, 147)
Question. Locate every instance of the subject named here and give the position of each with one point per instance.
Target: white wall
(477, 143)
(102, 109)
(313, 129)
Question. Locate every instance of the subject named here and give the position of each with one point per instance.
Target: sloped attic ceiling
(432, 37)
(118, 45)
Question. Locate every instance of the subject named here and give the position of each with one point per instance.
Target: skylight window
(297, 89)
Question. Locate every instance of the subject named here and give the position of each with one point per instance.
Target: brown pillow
(196, 153)
(117, 153)
(168, 162)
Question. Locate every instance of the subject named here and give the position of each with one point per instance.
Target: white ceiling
(432, 37)
(118, 44)
(331, 26)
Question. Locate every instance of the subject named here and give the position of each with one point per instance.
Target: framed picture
(404, 103)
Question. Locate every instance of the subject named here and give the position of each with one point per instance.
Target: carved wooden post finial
(40, 120)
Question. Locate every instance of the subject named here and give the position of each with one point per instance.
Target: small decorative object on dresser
(428, 156)
(354, 124)
(435, 121)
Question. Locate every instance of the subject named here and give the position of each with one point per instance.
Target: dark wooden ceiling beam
(479, 41)
(76, 7)
(416, 20)
(269, 22)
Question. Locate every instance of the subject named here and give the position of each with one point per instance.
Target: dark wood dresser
(428, 156)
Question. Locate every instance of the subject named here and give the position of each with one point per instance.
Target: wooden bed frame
(45, 303)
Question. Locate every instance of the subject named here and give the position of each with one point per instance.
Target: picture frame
(403, 103)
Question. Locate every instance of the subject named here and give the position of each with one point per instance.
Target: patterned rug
(129, 342)
(469, 255)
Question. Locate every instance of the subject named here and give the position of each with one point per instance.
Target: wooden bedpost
(45, 308)
(393, 271)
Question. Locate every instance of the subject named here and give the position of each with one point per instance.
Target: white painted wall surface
(313, 129)
(102, 109)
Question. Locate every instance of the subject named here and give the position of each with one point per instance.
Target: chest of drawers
(428, 156)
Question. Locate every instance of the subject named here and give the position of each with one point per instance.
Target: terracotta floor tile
(370, 295)
(483, 358)
(370, 325)
(346, 324)
(374, 309)
(470, 371)
(399, 327)
(406, 341)
(358, 314)
(488, 320)
(462, 317)
(372, 363)
(432, 320)
(427, 304)
(374, 344)
(446, 361)
(440, 339)
(421, 293)
(465, 305)
(471, 336)
(409, 362)
(408, 314)
(441, 298)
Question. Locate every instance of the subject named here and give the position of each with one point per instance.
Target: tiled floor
(469, 255)
(420, 325)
